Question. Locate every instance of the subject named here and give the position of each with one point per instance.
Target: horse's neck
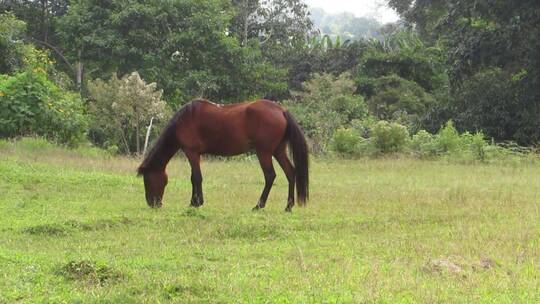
(163, 157)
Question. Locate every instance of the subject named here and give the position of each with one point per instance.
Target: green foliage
(345, 141)
(389, 137)
(41, 17)
(120, 108)
(424, 145)
(326, 104)
(452, 145)
(448, 138)
(402, 53)
(185, 46)
(15, 54)
(275, 24)
(399, 77)
(496, 108)
(398, 99)
(32, 104)
(315, 57)
(368, 139)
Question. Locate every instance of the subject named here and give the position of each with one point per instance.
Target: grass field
(74, 228)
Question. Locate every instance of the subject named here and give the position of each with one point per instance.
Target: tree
(401, 100)
(273, 23)
(405, 54)
(185, 46)
(280, 30)
(41, 18)
(481, 36)
(120, 108)
(399, 77)
(346, 25)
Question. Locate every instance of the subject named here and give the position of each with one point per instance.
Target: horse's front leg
(196, 178)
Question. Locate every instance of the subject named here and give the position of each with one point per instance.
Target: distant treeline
(347, 26)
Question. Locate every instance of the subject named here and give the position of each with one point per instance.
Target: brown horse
(203, 127)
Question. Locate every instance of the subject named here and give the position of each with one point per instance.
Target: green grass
(74, 227)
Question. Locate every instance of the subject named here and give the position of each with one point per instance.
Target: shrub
(32, 104)
(448, 139)
(389, 137)
(424, 145)
(345, 141)
(449, 143)
(475, 145)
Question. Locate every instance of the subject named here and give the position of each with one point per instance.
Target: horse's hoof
(288, 209)
(256, 208)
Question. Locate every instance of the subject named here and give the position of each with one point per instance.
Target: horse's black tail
(299, 151)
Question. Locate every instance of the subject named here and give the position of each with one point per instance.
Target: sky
(374, 8)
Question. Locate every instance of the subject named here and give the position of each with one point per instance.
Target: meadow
(75, 228)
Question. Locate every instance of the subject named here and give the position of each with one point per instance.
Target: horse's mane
(166, 138)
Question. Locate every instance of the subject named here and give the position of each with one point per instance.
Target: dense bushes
(33, 104)
(391, 138)
(346, 141)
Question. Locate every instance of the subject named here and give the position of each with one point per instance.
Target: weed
(89, 272)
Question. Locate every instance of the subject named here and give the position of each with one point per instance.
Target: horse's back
(234, 128)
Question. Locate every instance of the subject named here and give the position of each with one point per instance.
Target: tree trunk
(147, 135)
(137, 129)
(79, 71)
(246, 23)
(137, 139)
(45, 20)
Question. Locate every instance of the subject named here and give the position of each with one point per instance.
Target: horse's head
(154, 185)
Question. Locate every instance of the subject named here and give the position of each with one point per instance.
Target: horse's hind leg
(265, 160)
(285, 163)
(196, 178)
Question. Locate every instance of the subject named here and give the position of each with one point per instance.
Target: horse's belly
(228, 147)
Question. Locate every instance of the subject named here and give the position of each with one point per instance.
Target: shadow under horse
(203, 127)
